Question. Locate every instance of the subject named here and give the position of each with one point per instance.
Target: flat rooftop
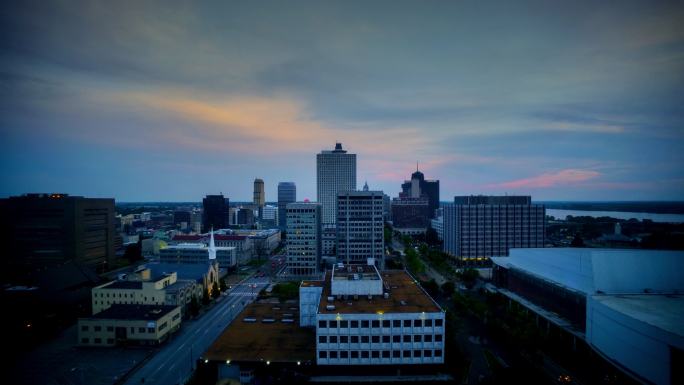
(257, 341)
(355, 273)
(134, 312)
(405, 296)
(665, 312)
(131, 285)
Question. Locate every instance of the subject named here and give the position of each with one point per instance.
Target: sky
(170, 101)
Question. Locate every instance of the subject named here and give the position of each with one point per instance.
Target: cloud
(560, 178)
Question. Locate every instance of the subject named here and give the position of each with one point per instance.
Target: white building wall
(383, 342)
(636, 345)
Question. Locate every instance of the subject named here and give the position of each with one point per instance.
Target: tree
(193, 308)
(215, 290)
(205, 297)
(430, 287)
(469, 276)
(577, 241)
(448, 288)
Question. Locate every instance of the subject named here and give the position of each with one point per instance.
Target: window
(375, 324)
(141, 330)
(333, 324)
(364, 324)
(322, 339)
(428, 323)
(132, 330)
(407, 323)
(150, 330)
(385, 354)
(333, 339)
(85, 340)
(98, 340)
(322, 324)
(333, 354)
(438, 353)
(396, 338)
(344, 354)
(354, 339)
(427, 353)
(385, 339)
(98, 328)
(407, 338)
(418, 323)
(322, 354)
(406, 353)
(375, 339)
(110, 328)
(84, 328)
(110, 341)
(364, 339)
(385, 323)
(428, 338)
(396, 353)
(418, 338)
(375, 354)
(344, 324)
(344, 339)
(438, 322)
(364, 354)
(355, 324)
(396, 323)
(354, 354)
(438, 338)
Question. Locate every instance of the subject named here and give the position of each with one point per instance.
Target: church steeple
(212, 246)
(365, 186)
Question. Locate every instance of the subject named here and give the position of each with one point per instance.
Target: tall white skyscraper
(303, 238)
(335, 173)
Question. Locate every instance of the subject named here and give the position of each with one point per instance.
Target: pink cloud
(563, 177)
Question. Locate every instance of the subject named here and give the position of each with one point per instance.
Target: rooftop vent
(155, 311)
(249, 320)
(276, 308)
(402, 302)
(330, 307)
(268, 320)
(331, 298)
(370, 297)
(386, 295)
(287, 320)
(288, 315)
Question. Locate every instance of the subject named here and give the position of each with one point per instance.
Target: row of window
(376, 339)
(417, 353)
(110, 341)
(377, 323)
(98, 328)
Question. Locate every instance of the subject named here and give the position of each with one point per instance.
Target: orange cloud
(563, 177)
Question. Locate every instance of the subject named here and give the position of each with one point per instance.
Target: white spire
(212, 246)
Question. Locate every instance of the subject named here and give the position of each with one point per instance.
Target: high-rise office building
(287, 193)
(419, 187)
(48, 230)
(335, 172)
(216, 213)
(303, 238)
(259, 194)
(479, 227)
(360, 227)
(410, 216)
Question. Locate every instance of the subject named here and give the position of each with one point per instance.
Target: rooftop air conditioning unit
(330, 307)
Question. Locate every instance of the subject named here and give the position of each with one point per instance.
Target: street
(175, 360)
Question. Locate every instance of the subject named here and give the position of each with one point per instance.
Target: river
(666, 218)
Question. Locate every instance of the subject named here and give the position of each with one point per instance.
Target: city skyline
(144, 102)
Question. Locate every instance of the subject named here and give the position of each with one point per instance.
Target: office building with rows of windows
(479, 227)
(303, 238)
(364, 317)
(335, 172)
(360, 227)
